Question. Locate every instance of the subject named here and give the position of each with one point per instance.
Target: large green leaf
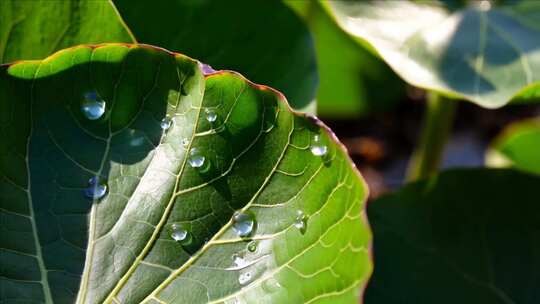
(35, 29)
(231, 146)
(518, 146)
(350, 76)
(263, 40)
(466, 236)
(483, 54)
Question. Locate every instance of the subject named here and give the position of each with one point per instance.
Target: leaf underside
(58, 246)
(487, 56)
(466, 236)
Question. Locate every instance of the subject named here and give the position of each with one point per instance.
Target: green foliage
(169, 154)
(353, 82)
(518, 146)
(36, 29)
(263, 40)
(482, 54)
(465, 236)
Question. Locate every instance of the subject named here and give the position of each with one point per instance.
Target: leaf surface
(486, 55)
(309, 241)
(465, 236)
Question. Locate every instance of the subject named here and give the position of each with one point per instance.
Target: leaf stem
(438, 120)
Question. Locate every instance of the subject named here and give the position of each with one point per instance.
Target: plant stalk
(438, 120)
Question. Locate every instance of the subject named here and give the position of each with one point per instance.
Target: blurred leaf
(167, 158)
(353, 82)
(263, 40)
(483, 54)
(35, 29)
(466, 236)
(518, 146)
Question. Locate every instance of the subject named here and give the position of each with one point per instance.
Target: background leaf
(465, 236)
(36, 29)
(230, 145)
(483, 54)
(353, 81)
(518, 146)
(263, 40)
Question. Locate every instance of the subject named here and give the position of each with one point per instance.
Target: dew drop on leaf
(211, 115)
(196, 159)
(185, 142)
(180, 234)
(96, 188)
(318, 148)
(244, 278)
(92, 106)
(301, 221)
(244, 223)
(252, 246)
(166, 123)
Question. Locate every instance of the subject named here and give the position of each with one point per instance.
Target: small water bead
(252, 246)
(166, 123)
(271, 285)
(92, 106)
(244, 223)
(239, 261)
(180, 234)
(318, 148)
(244, 278)
(301, 221)
(185, 142)
(196, 159)
(211, 115)
(95, 189)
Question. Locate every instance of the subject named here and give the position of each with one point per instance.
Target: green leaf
(350, 76)
(263, 40)
(518, 146)
(231, 146)
(36, 29)
(465, 236)
(482, 54)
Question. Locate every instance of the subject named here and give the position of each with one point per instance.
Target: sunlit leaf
(518, 146)
(35, 29)
(122, 167)
(485, 54)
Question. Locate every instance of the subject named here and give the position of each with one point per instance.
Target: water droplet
(185, 142)
(211, 115)
(166, 123)
(252, 246)
(271, 285)
(136, 138)
(301, 221)
(180, 234)
(244, 223)
(95, 189)
(92, 105)
(318, 148)
(196, 159)
(239, 261)
(244, 278)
